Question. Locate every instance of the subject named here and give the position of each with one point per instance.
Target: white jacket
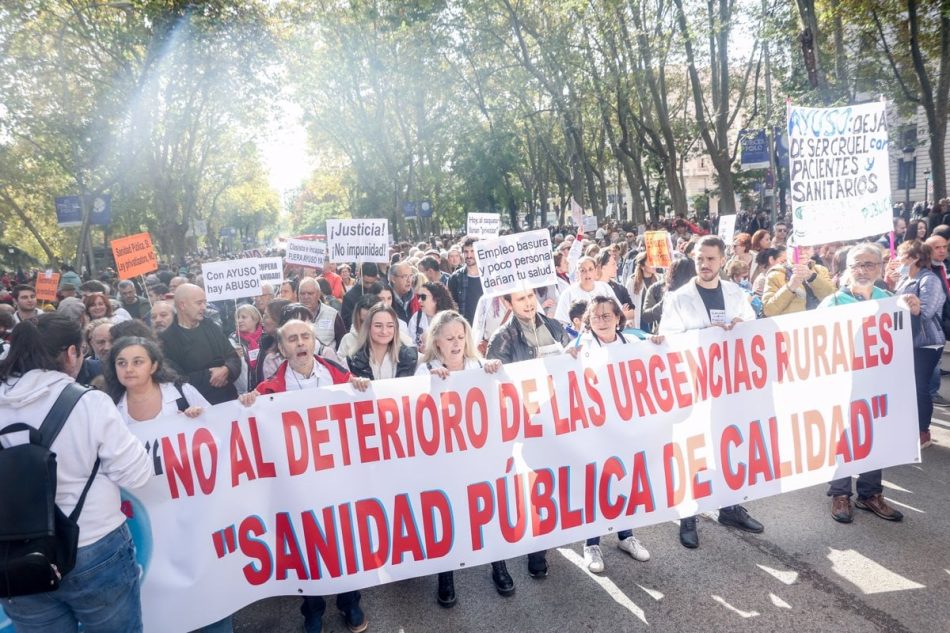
(684, 309)
(94, 428)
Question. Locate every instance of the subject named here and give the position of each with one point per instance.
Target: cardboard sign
(590, 223)
(248, 502)
(516, 262)
(134, 255)
(727, 228)
(46, 286)
(484, 225)
(577, 214)
(364, 240)
(305, 253)
(840, 173)
(658, 249)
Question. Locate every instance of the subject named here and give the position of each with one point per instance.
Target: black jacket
(193, 352)
(509, 345)
(352, 295)
(405, 364)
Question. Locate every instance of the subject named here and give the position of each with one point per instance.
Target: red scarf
(251, 342)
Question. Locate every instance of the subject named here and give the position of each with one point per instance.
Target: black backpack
(37, 541)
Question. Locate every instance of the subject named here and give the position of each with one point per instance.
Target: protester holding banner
(433, 299)
(449, 347)
(801, 286)
(143, 388)
(584, 289)
(917, 278)
(380, 353)
(527, 335)
(864, 267)
(199, 349)
(604, 321)
(94, 447)
(303, 369)
(709, 301)
(681, 272)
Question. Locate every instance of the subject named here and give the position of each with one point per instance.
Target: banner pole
(145, 288)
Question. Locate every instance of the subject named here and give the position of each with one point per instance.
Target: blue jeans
(935, 381)
(101, 593)
(621, 535)
(925, 359)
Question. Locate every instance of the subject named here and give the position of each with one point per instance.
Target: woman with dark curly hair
(142, 387)
(433, 298)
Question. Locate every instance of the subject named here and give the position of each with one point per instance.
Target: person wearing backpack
(95, 455)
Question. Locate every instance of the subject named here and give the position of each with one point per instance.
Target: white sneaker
(633, 547)
(593, 558)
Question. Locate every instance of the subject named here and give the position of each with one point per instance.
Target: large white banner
(516, 262)
(322, 491)
(363, 240)
(840, 174)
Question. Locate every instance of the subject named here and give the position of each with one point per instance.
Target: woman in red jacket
(304, 370)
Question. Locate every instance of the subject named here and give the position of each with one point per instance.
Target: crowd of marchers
(155, 347)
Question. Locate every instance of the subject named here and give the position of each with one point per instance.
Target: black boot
(503, 582)
(538, 564)
(446, 593)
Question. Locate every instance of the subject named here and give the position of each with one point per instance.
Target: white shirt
(170, 398)
(319, 376)
(93, 429)
(576, 293)
(423, 368)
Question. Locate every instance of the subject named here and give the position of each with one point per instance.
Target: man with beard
(465, 284)
(708, 301)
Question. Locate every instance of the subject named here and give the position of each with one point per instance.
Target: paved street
(805, 573)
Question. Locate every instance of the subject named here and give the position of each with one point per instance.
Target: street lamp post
(909, 151)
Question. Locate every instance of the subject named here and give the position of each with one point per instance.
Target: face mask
(905, 270)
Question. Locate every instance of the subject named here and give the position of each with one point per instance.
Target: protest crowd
(155, 346)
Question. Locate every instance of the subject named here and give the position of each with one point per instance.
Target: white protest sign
(516, 262)
(271, 271)
(305, 253)
(590, 223)
(574, 255)
(840, 173)
(727, 228)
(233, 279)
(363, 240)
(484, 225)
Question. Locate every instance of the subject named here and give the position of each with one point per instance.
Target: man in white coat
(708, 301)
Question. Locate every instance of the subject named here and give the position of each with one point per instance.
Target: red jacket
(278, 383)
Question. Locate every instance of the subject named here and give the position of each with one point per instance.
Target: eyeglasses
(607, 316)
(423, 297)
(865, 265)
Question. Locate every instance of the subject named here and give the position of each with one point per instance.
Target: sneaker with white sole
(594, 559)
(635, 548)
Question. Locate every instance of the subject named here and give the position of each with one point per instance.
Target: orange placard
(46, 286)
(658, 249)
(134, 255)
